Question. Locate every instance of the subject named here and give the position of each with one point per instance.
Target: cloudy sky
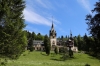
(67, 15)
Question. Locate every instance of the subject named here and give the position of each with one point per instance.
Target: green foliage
(61, 50)
(79, 42)
(47, 45)
(87, 64)
(12, 38)
(39, 37)
(3, 62)
(70, 52)
(93, 22)
(33, 35)
(31, 49)
(30, 45)
(56, 50)
(75, 41)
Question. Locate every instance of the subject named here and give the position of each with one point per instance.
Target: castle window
(53, 36)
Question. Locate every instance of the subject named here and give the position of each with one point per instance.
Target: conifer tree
(47, 45)
(12, 36)
(93, 22)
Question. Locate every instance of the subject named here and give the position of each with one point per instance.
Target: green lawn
(37, 58)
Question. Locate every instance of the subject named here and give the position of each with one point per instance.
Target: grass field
(37, 58)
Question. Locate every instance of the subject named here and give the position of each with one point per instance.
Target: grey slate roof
(38, 42)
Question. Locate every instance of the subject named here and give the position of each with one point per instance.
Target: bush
(87, 64)
(61, 50)
(3, 63)
(70, 53)
(31, 49)
(56, 50)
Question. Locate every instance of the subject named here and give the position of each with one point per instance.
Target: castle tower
(52, 35)
(71, 42)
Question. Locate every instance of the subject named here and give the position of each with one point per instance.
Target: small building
(70, 43)
(38, 45)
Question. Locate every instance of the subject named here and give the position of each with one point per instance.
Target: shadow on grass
(93, 57)
(53, 54)
(44, 54)
(56, 59)
(63, 58)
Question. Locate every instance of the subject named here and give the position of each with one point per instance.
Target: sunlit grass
(37, 58)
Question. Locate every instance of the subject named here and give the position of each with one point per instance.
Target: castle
(38, 44)
(54, 42)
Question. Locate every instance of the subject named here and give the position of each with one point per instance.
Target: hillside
(37, 58)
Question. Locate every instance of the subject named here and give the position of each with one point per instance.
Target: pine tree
(79, 42)
(30, 45)
(12, 37)
(33, 35)
(93, 22)
(56, 50)
(47, 45)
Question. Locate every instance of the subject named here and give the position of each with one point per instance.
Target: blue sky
(67, 15)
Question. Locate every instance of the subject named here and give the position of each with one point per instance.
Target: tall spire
(70, 33)
(52, 22)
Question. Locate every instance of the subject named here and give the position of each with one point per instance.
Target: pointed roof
(52, 25)
(70, 33)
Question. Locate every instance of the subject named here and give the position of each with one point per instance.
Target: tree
(70, 52)
(33, 35)
(29, 35)
(75, 41)
(30, 44)
(93, 22)
(79, 42)
(62, 40)
(47, 44)
(12, 37)
(39, 37)
(56, 50)
(85, 39)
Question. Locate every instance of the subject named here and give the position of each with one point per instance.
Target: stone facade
(38, 45)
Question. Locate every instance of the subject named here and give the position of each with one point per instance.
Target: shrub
(56, 50)
(87, 64)
(61, 50)
(31, 49)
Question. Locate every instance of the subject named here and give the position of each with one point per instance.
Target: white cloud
(33, 17)
(85, 4)
(41, 2)
(54, 20)
(45, 4)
